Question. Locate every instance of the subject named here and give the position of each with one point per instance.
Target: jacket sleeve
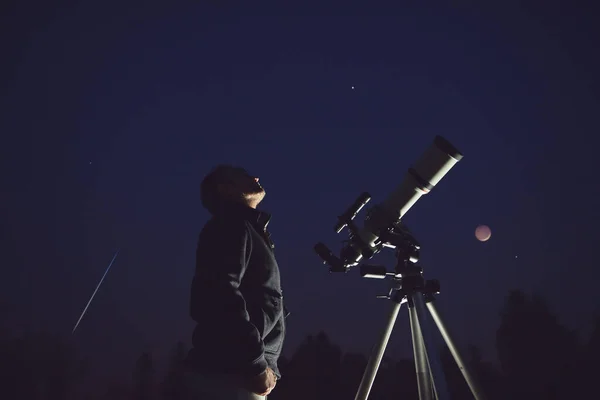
(222, 259)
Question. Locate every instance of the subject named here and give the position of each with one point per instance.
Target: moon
(483, 233)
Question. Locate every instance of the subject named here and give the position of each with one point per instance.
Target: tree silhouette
(591, 360)
(351, 370)
(593, 346)
(538, 355)
(173, 386)
(313, 371)
(539, 359)
(39, 365)
(318, 370)
(16, 380)
(395, 380)
(143, 378)
(117, 391)
(485, 374)
(407, 387)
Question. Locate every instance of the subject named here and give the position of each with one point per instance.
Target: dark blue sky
(110, 118)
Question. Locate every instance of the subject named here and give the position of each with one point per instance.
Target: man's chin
(256, 196)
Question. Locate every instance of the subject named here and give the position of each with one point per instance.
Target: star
(352, 87)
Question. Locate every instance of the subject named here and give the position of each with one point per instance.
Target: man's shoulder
(225, 225)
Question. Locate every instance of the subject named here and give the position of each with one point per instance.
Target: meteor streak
(93, 294)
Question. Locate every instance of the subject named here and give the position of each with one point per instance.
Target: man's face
(243, 187)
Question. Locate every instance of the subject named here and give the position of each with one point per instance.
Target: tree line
(538, 358)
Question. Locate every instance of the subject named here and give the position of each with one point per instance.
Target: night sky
(110, 117)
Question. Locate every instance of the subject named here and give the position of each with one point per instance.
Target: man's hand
(262, 384)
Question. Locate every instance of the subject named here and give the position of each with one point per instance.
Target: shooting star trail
(93, 294)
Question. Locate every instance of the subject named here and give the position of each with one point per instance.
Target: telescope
(382, 223)
(383, 229)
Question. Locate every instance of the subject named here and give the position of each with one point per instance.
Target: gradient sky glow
(111, 118)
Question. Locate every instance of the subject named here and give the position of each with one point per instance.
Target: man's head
(227, 183)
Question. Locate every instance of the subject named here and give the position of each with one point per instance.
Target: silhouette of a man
(236, 297)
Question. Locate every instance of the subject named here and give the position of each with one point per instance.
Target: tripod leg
(424, 381)
(477, 393)
(438, 377)
(436, 396)
(377, 354)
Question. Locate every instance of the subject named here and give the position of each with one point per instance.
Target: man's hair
(209, 187)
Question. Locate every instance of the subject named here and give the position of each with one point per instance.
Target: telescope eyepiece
(335, 263)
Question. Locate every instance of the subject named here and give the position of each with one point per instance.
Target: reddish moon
(483, 233)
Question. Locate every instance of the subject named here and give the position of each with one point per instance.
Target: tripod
(409, 286)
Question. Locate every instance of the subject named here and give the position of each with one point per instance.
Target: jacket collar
(260, 219)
